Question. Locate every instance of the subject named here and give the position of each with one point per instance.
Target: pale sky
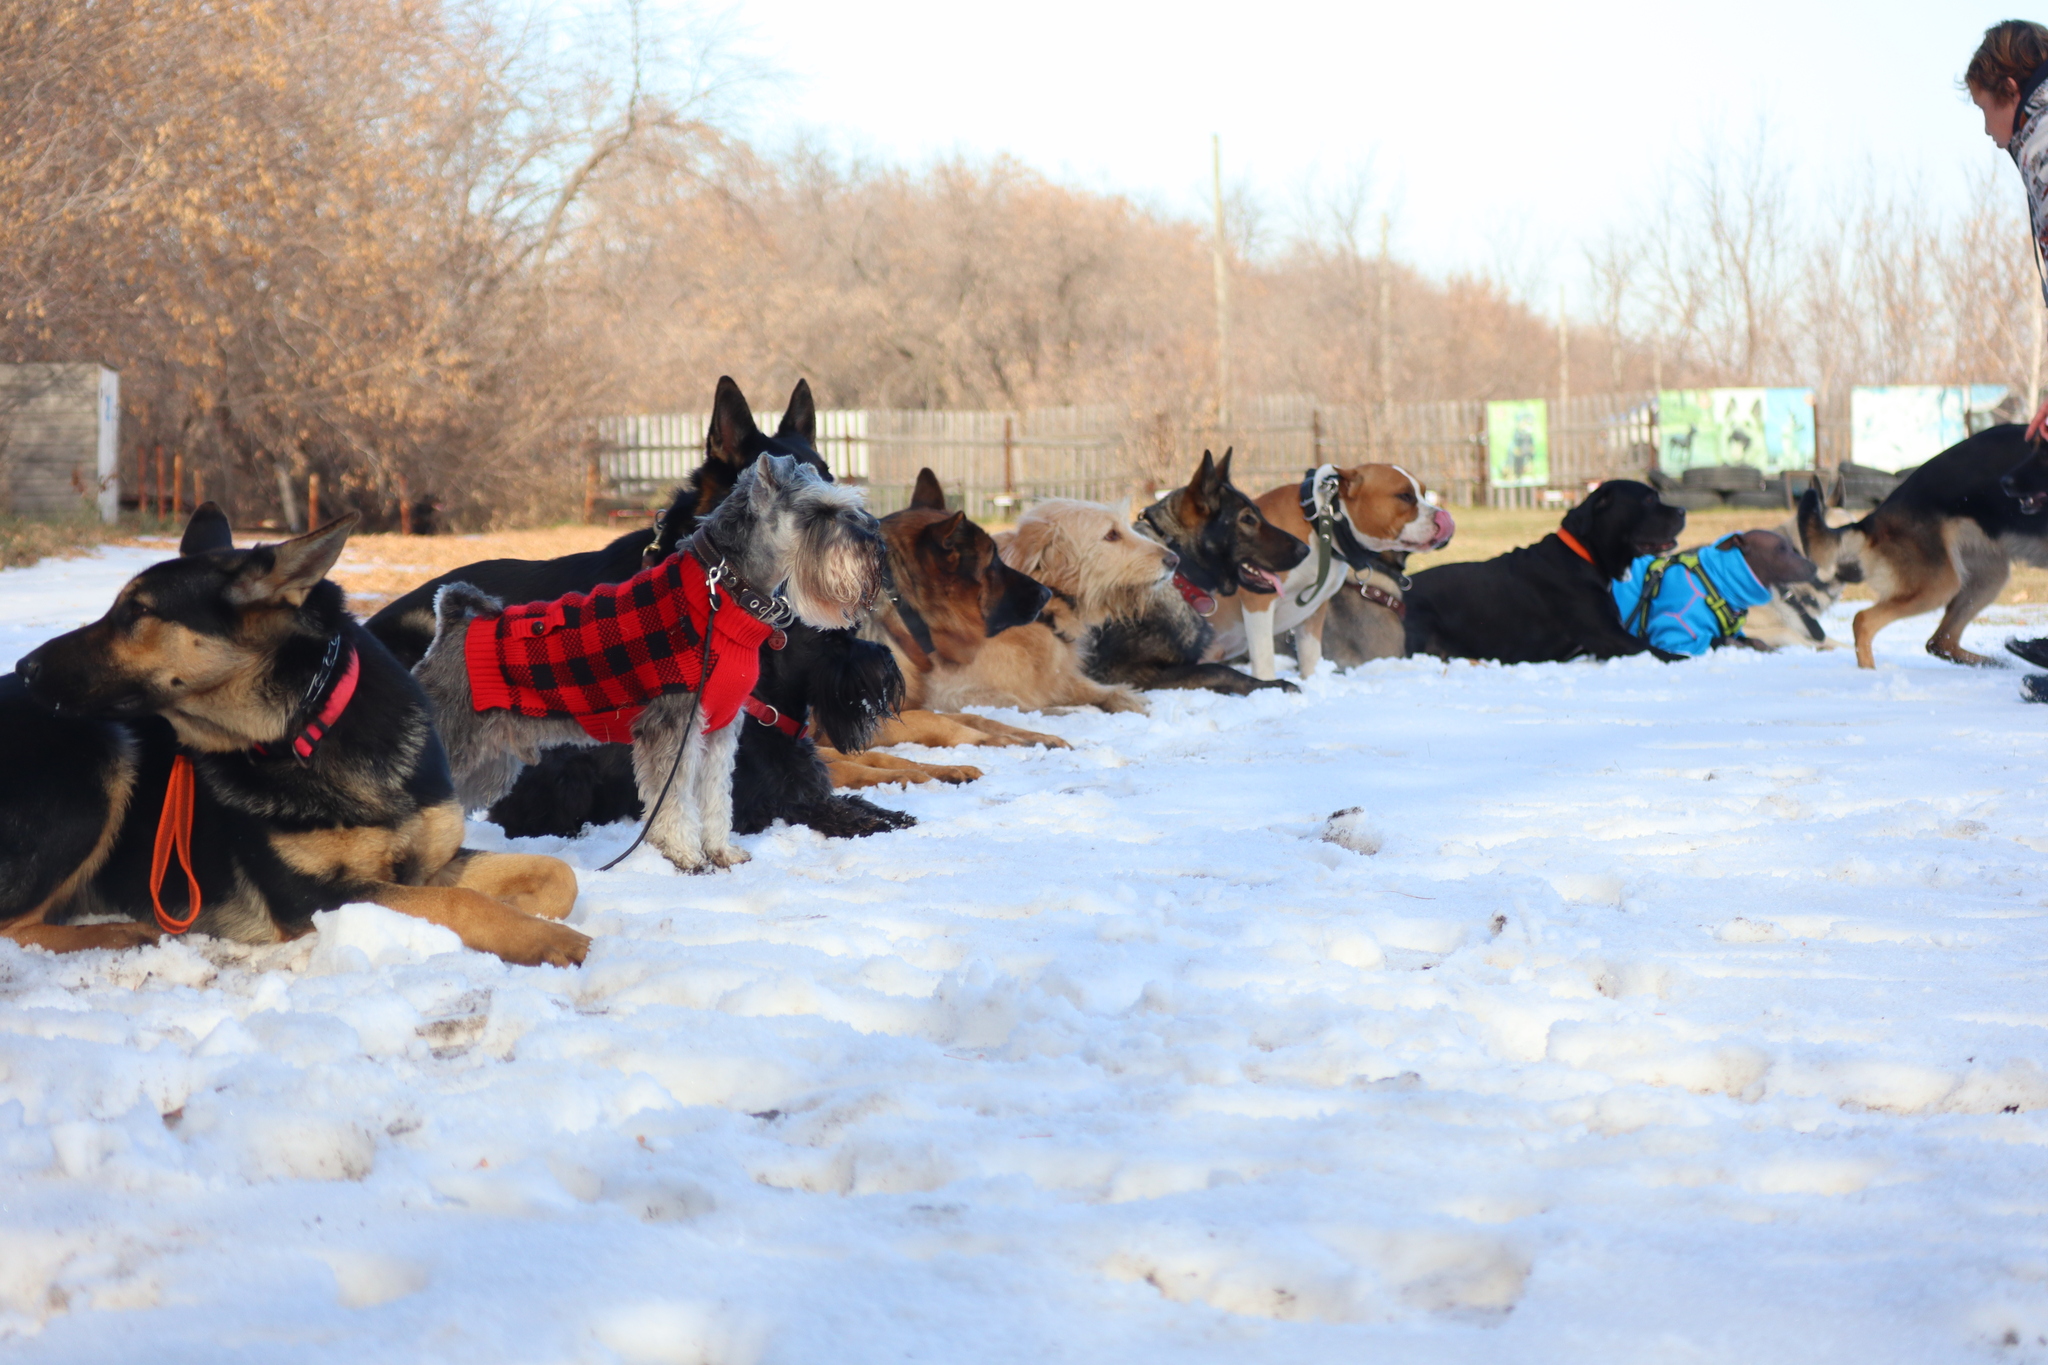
(1503, 135)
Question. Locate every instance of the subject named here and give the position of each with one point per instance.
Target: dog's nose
(1172, 561)
(2006, 484)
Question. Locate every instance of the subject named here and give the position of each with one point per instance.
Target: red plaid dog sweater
(599, 657)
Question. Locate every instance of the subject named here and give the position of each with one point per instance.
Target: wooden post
(312, 501)
(198, 485)
(1220, 251)
(1009, 462)
(591, 479)
(404, 505)
(1315, 437)
(178, 484)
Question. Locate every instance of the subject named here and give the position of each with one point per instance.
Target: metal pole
(1220, 249)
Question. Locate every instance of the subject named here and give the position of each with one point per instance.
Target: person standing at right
(2008, 82)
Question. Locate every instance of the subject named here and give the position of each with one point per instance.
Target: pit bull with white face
(1371, 509)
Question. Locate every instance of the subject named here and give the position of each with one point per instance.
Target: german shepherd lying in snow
(227, 750)
(1946, 537)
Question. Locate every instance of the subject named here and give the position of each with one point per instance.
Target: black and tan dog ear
(207, 531)
(1202, 488)
(928, 494)
(800, 418)
(732, 422)
(286, 573)
(952, 534)
(1223, 467)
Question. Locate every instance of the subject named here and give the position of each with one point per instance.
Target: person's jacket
(2029, 151)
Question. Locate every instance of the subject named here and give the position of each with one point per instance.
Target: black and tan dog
(1224, 544)
(227, 750)
(1945, 538)
(952, 596)
(1550, 601)
(833, 682)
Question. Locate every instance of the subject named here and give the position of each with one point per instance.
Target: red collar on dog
(1573, 542)
(338, 698)
(769, 715)
(1202, 602)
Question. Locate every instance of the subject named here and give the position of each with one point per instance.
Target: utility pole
(1222, 286)
(1564, 382)
(1386, 342)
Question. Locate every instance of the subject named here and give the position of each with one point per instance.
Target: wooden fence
(994, 464)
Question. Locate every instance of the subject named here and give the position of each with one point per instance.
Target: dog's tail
(1836, 551)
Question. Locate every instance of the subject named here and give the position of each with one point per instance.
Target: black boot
(2034, 687)
(2034, 652)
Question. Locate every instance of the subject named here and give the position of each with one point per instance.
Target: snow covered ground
(1643, 1013)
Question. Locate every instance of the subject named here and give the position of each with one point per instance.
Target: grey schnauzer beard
(830, 562)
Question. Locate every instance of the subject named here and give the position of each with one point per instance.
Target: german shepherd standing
(1946, 538)
(231, 684)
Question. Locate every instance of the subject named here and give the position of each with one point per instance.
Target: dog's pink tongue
(1203, 604)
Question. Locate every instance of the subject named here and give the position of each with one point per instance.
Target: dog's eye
(1113, 534)
(1408, 498)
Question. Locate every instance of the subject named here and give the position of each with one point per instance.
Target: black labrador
(1550, 601)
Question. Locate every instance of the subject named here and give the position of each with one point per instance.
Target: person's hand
(2037, 430)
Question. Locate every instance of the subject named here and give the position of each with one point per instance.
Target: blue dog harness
(1684, 603)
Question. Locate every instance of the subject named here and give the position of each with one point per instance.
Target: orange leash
(174, 831)
(1573, 541)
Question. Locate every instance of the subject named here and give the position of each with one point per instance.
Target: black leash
(711, 581)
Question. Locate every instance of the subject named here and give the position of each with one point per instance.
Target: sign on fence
(1518, 443)
(1767, 429)
(1904, 425)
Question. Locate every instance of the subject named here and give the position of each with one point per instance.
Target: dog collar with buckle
(771, 716)
(772, 611)
(1202, 602)
(342, 693)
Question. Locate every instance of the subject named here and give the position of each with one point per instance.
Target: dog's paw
(544, 943)
(1275, 684)
(729, 856)
(129, 934)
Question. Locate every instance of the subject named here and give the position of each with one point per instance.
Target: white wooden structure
(60, 429)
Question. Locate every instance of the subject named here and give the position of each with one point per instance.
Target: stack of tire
(1743, 486)
(1712, 487)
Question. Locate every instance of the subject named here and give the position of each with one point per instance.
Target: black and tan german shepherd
(1945, 538)
(1223, 541)
(294, 754)
(831, 677)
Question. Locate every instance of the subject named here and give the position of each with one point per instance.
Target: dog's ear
(954, 535)
(773, 473)
(1223, 469)
(1027, 546)
(284, 574)
(1201, 488)
(732, 422)
(928, 494)
(800, 418)
(207, 531)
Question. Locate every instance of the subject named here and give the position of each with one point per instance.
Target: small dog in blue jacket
(1689, 603)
